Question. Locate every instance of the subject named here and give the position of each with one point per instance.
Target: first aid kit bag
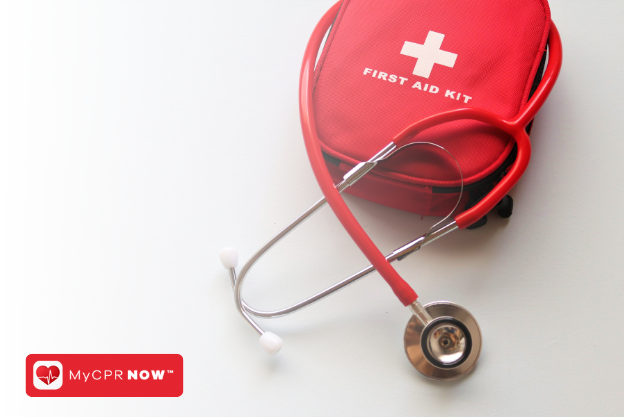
(387, 64)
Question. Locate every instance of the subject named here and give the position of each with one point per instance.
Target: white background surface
(139, 138)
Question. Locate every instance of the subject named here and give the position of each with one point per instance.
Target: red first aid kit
(387, 64)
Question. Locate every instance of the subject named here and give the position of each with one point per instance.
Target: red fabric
(498, 46)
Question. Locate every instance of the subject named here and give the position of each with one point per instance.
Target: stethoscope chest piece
(448, 346)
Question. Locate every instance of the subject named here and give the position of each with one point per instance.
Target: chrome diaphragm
(448, 346)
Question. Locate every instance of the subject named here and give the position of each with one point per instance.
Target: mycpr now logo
(93, 375)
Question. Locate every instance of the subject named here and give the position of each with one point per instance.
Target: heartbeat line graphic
(48, 379)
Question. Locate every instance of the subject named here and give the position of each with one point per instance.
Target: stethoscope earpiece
(271, 343)
(448, 345)
(229, 257)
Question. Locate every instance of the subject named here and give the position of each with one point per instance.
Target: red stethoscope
(442, 340)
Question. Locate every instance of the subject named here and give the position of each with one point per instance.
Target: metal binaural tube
(349, 179)
(398, 254)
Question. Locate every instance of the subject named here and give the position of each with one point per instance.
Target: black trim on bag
(331, 159)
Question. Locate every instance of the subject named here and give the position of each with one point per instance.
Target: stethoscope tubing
(401, 289)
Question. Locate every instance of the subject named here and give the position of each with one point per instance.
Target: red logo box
(104, 375)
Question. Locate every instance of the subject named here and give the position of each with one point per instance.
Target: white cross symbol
(428, 54)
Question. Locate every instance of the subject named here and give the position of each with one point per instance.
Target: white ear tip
(271, 343)
(229, 257)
